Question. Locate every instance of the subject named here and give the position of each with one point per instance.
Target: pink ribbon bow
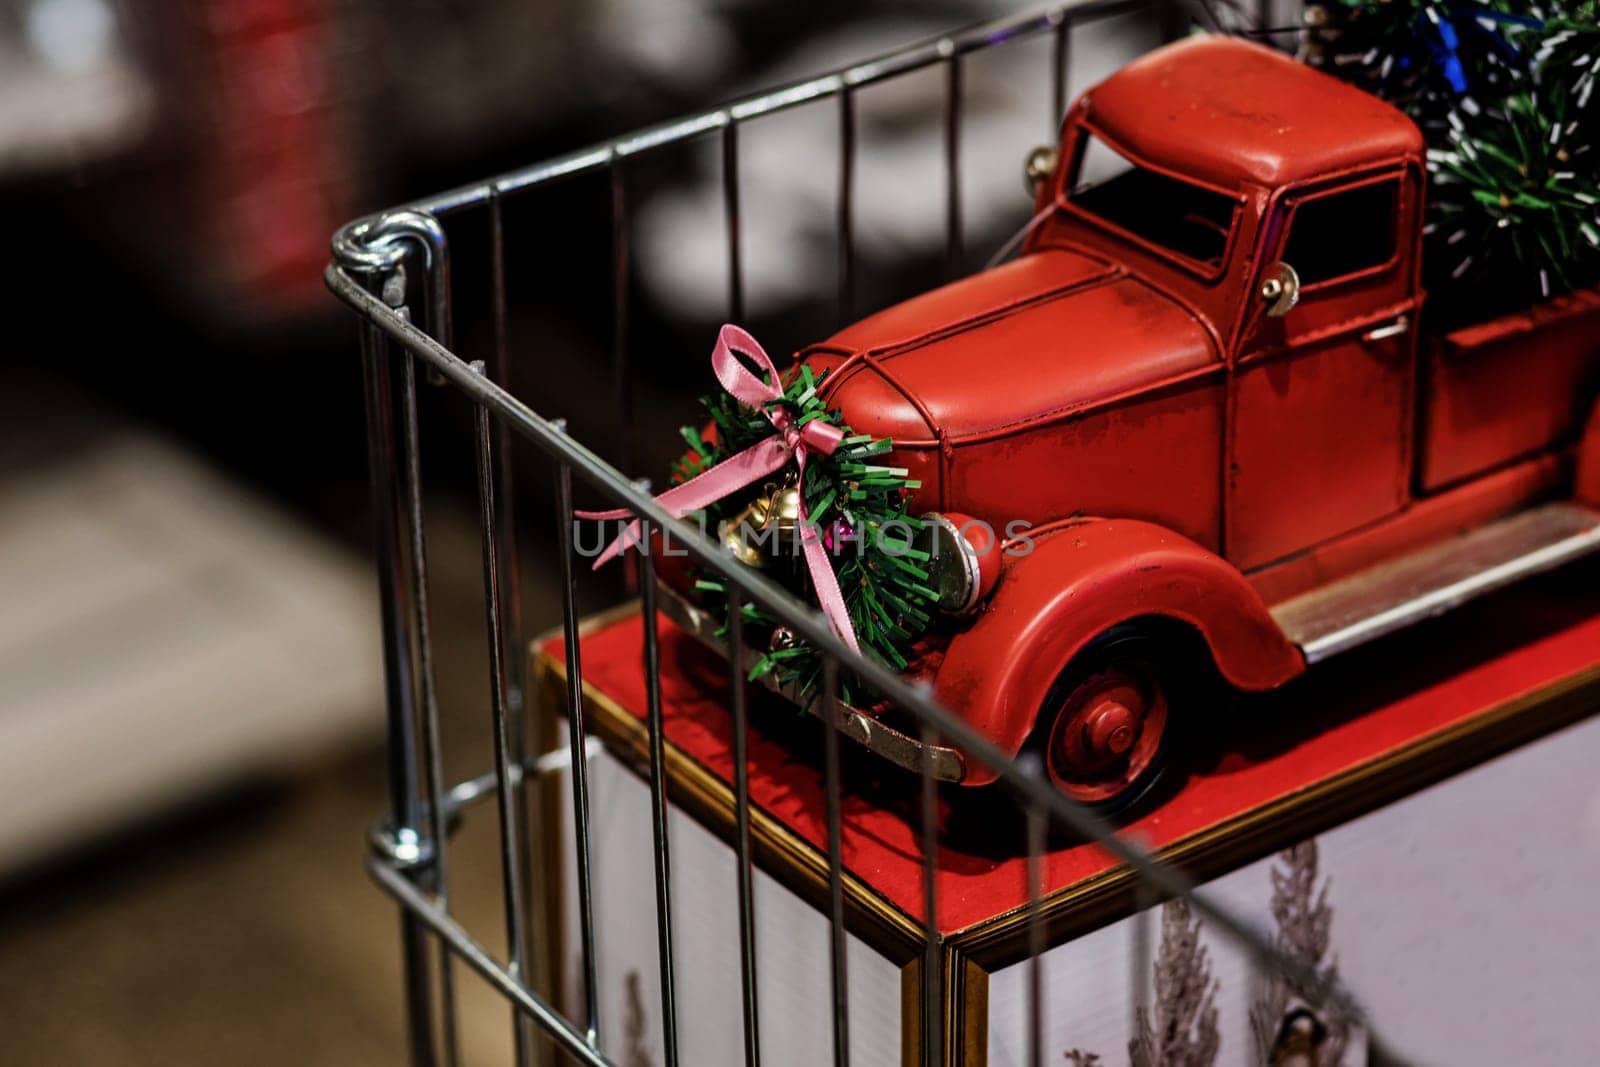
(753, 464)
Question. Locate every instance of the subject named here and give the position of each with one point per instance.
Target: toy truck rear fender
(1077, 581)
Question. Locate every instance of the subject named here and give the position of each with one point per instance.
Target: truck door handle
(1383, 333)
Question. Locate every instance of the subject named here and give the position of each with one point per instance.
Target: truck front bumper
(944, 763)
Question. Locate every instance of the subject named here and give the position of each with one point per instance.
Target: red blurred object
(275, 158)
(1204, 375)
(1588, 479)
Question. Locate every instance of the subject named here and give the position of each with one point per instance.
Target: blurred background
(191, 745)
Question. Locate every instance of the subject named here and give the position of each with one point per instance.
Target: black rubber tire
(1166, 650)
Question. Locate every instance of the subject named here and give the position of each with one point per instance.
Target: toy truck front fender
(1076, 582)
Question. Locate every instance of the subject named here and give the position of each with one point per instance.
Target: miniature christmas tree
(1503, 93)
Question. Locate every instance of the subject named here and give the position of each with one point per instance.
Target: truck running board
(1395, 594)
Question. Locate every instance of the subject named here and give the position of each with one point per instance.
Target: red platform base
(1347, 738)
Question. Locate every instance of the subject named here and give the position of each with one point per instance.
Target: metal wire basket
(376, 261)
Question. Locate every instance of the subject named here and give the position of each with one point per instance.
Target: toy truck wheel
(1104, 731)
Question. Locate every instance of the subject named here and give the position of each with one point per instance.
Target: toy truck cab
(1202, 418)
(1282, 211)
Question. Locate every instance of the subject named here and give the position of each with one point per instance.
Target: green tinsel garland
(1392, 49)
(1519, 186)
(1502, 91)
(1567, 55)
(881, 573)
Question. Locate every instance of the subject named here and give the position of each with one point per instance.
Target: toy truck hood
(1049, 332)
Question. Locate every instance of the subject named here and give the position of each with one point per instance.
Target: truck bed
(1501, 390)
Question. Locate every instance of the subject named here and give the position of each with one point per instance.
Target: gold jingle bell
(783, 510)
(776, 510)
(755, 516)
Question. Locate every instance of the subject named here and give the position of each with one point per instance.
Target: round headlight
(963, 560)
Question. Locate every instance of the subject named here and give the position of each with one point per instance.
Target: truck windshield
(1191, 222)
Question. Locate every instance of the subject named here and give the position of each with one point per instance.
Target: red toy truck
(1204, 386)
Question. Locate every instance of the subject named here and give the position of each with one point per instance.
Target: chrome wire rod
(809, 625)
(621, 367)
(730, 220)
(933, 942)
(837, 946)
(432, 751)
(582, 846)
(915, 56)
(659, 809)
(518, 707)
(952, 166)
(405, 798)
(844, 211)
(511, 861)
(424, 910)
(738, 702)
(1035, 831)
(1060, 55)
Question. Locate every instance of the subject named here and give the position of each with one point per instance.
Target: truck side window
(1343, 233)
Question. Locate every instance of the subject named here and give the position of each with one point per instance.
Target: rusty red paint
(1587, 481)
(1425, 520)
(1107, 735)
(1079, 580)
(1234, 114)
(1509, 388)
(1228, 460)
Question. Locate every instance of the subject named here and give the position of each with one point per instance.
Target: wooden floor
(245, 930)
(241, 934)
